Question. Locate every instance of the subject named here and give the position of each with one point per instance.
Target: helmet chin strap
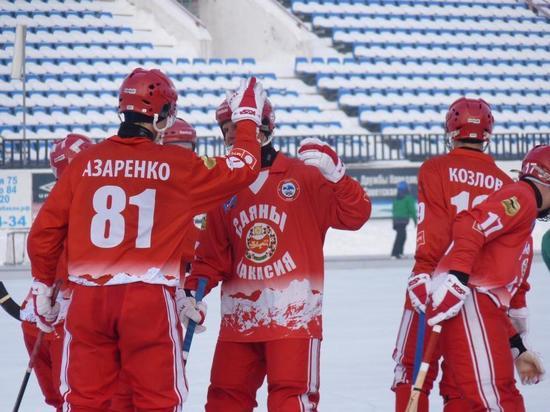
(169, 123)
(267, 140)
(449, 141)
(540, 182)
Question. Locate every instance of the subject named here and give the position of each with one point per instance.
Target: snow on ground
(362, 310)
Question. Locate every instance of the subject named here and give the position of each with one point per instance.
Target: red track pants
(291, 367)
(132, 328)
(478, 371)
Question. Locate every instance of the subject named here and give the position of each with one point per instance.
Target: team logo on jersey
(238, 155)
(200, 221)
(261, 243)
(511, 206)
(288, 189)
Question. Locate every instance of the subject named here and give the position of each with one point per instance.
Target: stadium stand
(406, 60)
(401, 63)
(78, 52)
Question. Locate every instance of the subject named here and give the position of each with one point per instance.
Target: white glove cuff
(457, 288)
(520, 320)
(39, 288)
(246, 113)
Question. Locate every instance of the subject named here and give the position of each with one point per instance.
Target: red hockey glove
(188, 308)
(314, 152)
(247, 102)
(418, 289)
(448, 299)
(46, 313)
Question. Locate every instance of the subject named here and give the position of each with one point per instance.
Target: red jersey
(266, 246)
(124, 204)
(491, 242)
(197, 225)
(519, 296)
(448, 185)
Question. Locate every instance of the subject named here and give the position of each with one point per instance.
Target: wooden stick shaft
(412, 406)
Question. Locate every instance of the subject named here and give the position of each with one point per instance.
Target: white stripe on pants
(178, 371)
(313, 376)
(480, 353)
(402, 337)
(64, 387)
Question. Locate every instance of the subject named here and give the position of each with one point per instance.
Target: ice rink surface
(362, 310)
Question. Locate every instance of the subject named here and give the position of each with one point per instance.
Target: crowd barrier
(353, 148)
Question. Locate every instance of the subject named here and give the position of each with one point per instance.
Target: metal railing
(34, 153)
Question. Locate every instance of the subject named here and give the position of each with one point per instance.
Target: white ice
(362, 310)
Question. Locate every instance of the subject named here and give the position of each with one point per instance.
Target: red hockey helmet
(181, 132)
(64, 150)
(536, 165)
(150, 93)
(469, 119)
(223, 115)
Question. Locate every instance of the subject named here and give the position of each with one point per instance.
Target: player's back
(127, 210)
(447, 185)
(131, 199)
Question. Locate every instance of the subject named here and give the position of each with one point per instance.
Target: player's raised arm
(340, 200)
(215, 179)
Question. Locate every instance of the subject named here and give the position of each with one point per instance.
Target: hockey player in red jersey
(184, 135)
(447, 185)
(47, 365)
(265, 246)
(122, 205)
(473, 284)
(181, 134)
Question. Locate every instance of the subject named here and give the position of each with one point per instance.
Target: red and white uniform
(447, 185)
(192, 234)
(123, 205)
(47, 365)
(519, 298)
(490, 242)
(266, 247)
